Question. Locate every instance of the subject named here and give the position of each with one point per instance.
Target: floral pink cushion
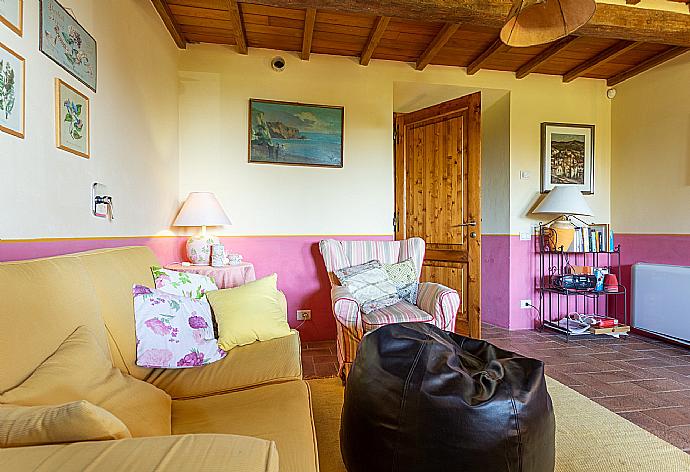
(173, 332)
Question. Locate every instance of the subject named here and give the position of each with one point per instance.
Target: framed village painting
(69, 45)
(12, 15)
(72, 125)
(295, 134)
(12, 92)
(567, 156)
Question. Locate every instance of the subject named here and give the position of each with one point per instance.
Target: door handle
(471, 223)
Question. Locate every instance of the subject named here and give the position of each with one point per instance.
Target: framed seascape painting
(12, 15)
(64, 40)
(295, 134)
(12, 92)
(72, 125)
(567, 156)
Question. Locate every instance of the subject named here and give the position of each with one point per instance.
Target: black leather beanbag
(422, 399)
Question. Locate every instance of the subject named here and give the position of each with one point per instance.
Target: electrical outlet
(303, 315)
(525, 304)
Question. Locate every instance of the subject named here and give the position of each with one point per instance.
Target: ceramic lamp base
(199, 248)
(565, 233)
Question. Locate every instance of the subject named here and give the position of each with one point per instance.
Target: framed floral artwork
(72, 120)
(567, 156)
(67, 43)
(12, 15)
(12, 92)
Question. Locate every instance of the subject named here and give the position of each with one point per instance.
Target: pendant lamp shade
(564, 200)
(534, 22)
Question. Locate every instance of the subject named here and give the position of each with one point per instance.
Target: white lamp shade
(202, 209)
(564, 200)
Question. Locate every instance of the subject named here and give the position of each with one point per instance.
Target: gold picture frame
(17, 28)
(72, 120)
(10, 123)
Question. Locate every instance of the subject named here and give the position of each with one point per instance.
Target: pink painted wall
(509, 268)
(524, 270)
(296, 260)
(496, 279)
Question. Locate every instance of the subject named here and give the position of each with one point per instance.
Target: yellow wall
(216, 84)
(651, 151)
(45, 192)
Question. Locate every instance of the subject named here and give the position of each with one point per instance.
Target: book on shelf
(594, 238)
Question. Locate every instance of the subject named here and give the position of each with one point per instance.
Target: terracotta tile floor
(643, 380)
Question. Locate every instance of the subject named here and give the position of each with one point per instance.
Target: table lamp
(567, 202)
(201, 209)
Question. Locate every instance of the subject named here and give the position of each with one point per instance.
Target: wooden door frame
(472, 103)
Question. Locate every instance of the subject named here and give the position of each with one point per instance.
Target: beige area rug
(589, 438)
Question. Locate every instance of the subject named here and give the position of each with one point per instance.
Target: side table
(226, 277)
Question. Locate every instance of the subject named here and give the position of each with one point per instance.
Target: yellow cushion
(198, 452)
(279, 412)
(256, 311)
(113, 273)
(277, 360)
(80, 370)
(41, 303)
(69, 422)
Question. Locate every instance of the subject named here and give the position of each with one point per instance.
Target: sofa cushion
(173, 332)
(43, 301)
(113, 273)
(279, 412)
(277, 360)
(199, 452)
(256, 311)
(80, 370)
(184, 284)
(55, 424)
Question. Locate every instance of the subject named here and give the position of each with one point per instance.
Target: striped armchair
(436, 304)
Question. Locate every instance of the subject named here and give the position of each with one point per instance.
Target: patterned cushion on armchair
(435, 303)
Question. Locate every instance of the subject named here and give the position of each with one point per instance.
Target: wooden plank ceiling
(364, 35)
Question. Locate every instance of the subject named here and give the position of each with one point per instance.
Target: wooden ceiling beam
(237, 26)
(544, 56)
(602, 58)
(477, 64)
(609, 21)
(646, 65)
(168, 18)
(309, 21)
(436, 45)
(377, 32)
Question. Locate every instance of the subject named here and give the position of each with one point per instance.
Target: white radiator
(661, 300)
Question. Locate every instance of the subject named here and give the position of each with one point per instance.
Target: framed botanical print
(295, 134)
(72, 125)
(12, 92)
(12, 15)
(67, 43)
(567, 156)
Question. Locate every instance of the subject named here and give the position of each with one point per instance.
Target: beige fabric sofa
(248, 412)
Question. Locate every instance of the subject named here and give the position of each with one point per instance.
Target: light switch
(525, 175)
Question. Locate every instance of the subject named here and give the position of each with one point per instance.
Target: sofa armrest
(216, 452)
(439, 301)
(345, 307)
(259, 363)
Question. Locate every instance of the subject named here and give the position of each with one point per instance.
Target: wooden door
(437, 182)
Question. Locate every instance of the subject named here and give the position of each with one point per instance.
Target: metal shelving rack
(555, 303)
